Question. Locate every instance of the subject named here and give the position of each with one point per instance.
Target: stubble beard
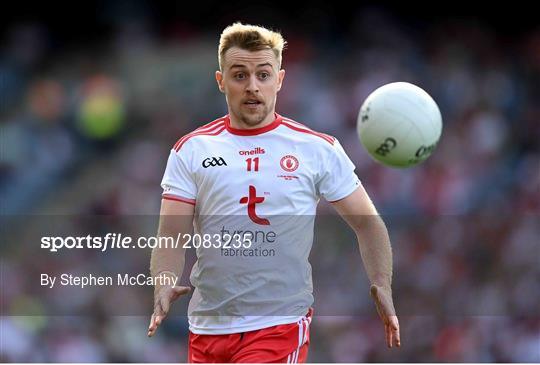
(254, 119)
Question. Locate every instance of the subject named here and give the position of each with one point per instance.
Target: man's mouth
(252, 102)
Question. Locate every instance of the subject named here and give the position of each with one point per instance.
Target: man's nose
(253, 85)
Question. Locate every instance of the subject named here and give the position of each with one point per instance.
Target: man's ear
(219, 80)
(281, 76)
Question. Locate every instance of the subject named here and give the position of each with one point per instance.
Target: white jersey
(255, 194)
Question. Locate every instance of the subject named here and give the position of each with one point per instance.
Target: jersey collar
(255, 131)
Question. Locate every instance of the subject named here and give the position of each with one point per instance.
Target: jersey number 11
(255, 164)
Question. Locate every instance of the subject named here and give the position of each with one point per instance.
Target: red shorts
(285, 343)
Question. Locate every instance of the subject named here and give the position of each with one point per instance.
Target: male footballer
(248, 185)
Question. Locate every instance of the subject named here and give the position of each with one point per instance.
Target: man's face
(250, 81)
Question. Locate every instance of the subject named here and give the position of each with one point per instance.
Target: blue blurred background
(94, 95)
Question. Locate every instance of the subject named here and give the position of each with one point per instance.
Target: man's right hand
(163, 298)
(385, 308)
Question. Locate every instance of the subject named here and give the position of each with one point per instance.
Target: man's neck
(238, 124)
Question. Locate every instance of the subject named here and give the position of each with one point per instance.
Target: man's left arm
(359, 212)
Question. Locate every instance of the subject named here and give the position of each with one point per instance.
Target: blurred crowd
(86, 131)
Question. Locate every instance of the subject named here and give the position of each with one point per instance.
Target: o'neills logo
(256, 151)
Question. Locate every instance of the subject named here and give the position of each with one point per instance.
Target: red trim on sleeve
(301, 128)
(212, 132)
(205, 128)
(178, 198)
(254, 131)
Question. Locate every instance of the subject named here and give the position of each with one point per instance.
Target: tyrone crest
(289, 163)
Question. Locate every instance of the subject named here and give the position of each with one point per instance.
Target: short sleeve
(337, 178)
(178, 182)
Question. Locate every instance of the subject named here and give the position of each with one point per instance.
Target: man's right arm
(176, 217)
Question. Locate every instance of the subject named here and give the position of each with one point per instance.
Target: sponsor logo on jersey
(289, 163)
(251, 200)
(213, 161)
(255, 151)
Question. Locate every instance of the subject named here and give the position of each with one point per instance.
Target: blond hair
(251, 38)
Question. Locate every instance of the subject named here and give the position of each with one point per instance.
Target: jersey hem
(178, 198)
(239, 329)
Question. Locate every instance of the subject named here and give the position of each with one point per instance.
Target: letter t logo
(251, 200)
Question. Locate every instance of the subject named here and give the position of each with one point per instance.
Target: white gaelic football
(399, 124)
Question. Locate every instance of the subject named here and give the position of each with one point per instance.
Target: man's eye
(239, 76)
(264, 75)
